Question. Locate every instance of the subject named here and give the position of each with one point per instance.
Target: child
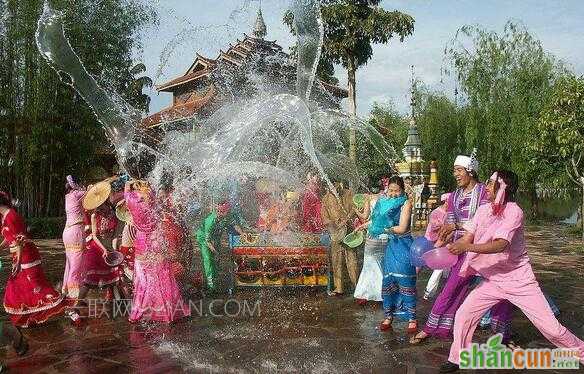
(495, 249)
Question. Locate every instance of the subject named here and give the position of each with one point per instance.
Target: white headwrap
(469, 163)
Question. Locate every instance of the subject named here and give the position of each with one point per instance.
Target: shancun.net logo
(494, 355)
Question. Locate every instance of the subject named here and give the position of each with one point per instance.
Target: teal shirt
(385, 214)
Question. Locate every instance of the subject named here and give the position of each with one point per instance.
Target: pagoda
(210, 83)
(414, 168)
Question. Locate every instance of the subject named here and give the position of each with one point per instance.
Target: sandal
(22, 347)
(384, 326)
(418, 339)
(412, 327)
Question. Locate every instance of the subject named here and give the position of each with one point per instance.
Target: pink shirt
(436, 219)
(74, 207)
(510, 264)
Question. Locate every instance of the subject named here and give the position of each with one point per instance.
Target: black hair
(140, 164)
(399, 181)
(68, 188)
(512, 181)
(5, 199)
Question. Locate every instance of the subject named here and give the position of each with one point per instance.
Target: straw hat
(292, 196)
(97, 195)
(122, 212)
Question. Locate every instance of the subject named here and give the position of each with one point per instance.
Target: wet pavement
(269, 330)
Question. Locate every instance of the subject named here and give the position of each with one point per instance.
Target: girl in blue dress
(399, 276)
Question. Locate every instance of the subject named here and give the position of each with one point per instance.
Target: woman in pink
(156, 294)
(495, 249)
(73, 238)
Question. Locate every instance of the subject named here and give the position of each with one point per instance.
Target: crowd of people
(128, 244)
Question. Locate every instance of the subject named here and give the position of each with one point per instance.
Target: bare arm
(465, 244)
(94, 234)
(404, 220)
(364, 216)
(363, 226)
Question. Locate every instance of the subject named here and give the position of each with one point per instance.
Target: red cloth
(128, 258)
(106, 221)
(311, 207)
(98, 273)
(29, 298)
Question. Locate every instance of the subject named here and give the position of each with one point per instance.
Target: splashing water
(269, 134)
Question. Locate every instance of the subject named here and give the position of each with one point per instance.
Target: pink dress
(74, 241)
(156, 293)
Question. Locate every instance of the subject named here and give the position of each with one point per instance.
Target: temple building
(239, 71)
(413, 168)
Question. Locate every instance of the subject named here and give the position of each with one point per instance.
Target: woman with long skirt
(29, 298)
(73, 239)
(156, 293)
(98, 274)
(376, 220)
(399, 275)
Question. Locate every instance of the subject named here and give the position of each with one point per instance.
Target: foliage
(441, 125)
(387, 120)
(506, 79)
(561, 128)
(36, 106)
(46, 227)
(351, 27)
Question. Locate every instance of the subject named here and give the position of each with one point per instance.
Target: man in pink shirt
(496, 251)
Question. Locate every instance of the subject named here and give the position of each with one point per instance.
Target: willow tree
(506, 79)
(351, 28)
(561, 132)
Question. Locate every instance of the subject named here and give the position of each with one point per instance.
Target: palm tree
(135, 95)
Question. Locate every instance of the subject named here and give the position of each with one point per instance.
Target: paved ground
(279, 331)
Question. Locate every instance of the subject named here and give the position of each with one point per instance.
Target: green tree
(560, 140)
(506, 79)
(441, 125)
(394, 128)
(46, 130)
(351, 27)
(134, 91)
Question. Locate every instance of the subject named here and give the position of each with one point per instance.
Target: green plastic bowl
(354, 239)
(359, 200)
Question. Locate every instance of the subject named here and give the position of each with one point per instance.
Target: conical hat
(122, 212)
(97, 195)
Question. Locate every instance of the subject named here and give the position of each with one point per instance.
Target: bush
(46, 227)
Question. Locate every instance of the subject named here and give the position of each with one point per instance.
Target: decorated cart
(280, 260)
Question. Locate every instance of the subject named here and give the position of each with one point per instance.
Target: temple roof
(175, 112)
(260, 30)
(202, 68)
(235, 55)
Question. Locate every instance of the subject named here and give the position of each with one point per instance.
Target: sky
(205, 26)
